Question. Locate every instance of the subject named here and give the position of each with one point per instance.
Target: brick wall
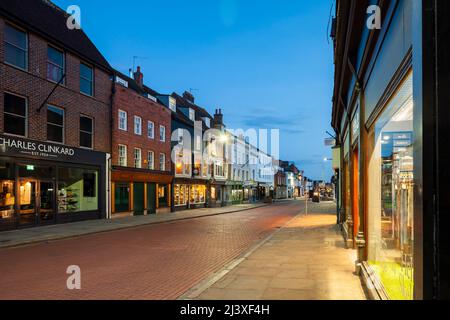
(33, 85)
(134, 104)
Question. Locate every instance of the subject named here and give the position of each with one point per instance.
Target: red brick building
(141, 153)
(55, 94)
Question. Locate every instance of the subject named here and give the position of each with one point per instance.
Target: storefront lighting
(30, 168)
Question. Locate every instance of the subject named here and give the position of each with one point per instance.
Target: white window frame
(151, 164)
(125, 128)
(162, 164)
(162, 137)
(191, 114)
(122, 156)
(173, 104)
(137, 125)
(151, 133)
(137, 160)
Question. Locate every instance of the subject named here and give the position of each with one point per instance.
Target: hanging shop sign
(16, 146)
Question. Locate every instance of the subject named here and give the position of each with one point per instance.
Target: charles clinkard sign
(12, 145)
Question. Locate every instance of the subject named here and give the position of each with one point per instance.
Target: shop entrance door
(151, 198)
(27, 202)
(138, 199)
(46, 202)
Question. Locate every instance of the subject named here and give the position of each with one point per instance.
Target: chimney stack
(139, 77)
(189, 97)
(218, 119)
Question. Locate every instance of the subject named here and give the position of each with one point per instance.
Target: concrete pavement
(62, 231)
(304, 260)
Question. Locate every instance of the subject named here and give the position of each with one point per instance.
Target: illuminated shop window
(391, 212)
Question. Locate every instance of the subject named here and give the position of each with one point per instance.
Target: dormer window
(173, 104)
(122, 82)
(192, 114)
(207, 122)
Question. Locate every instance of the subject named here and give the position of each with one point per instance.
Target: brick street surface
(160, 261)
(62, 231)
(305, 260)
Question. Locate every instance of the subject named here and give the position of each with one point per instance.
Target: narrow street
(151, 262)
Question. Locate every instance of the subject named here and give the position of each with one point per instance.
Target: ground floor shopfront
(189, 194)
(137, 192)
(43, 183)
(394, 159)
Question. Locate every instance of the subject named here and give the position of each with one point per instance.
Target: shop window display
(7, 196)
(391, 236)
(197, 194)
(77, 190)
(181, 194)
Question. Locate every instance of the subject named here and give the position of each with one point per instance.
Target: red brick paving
(151, 262)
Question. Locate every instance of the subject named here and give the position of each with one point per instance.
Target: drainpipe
(109, 161)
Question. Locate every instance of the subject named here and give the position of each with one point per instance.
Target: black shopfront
(43, 183)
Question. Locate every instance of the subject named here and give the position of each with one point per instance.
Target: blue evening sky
(266, 63)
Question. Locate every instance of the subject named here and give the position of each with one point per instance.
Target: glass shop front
(38, 192)
(390, 195)
(194, 194)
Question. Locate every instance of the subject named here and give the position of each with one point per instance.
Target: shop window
(122, 197)
(122, 155)
(15, 115)
(77, 190)
(86, 79)
(55, 124)
(391, 212)
(16, 47)
(7, 193)
(86, 132)
(197, 194)
(180, 194)
(55, 64)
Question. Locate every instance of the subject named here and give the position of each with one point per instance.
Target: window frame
(162, 138)
(125, 148)
(27, 39)
(12, 114)
(92, 81)
(151, 165)
(152, 131)
(53, 124)
(135, 158)
(63, 67)
(162, 164)
(140, 125)
(125, 122)
(92, 133)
